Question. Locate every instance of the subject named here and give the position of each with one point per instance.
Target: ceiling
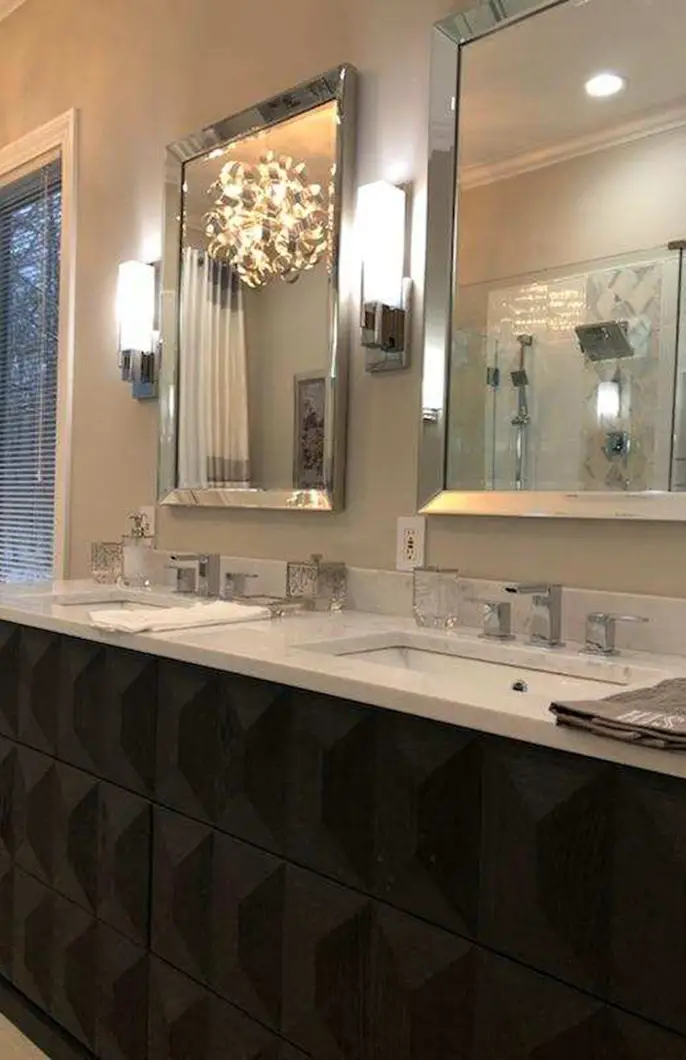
(522, 100)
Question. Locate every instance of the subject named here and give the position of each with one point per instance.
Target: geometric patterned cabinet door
(386, 803)
(547, 861)
(39, 686)
(217, 913)
(187, 1022)
(584, 875)
(88, 840)
(338, 974)
(223, 751)
(108, 713)
(648, 930)
(9, 678)
(521, 1015)
(91, 980)
(389, 804)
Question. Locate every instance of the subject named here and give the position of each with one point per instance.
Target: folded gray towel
(654, 717)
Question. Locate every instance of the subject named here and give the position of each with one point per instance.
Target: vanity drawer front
(10, 638)
(188, 1022)
(546, 882)
(584, 875)
(524, 1015)
(648, 937)
(86, 976)
(389, 804)
(108, 713)
(89, 840)
(39, 688)
(123, 997)
(223, 751)
(218, 913)
(363, 981)
(55, 955)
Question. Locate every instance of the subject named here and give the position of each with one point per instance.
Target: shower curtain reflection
(213, 386)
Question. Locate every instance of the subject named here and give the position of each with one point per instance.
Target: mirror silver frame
(434, 497)
(337, 85)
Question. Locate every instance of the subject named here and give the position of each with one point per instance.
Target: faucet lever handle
(601, 631)
(497, 618)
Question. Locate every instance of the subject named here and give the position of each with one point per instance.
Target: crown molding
(628, 132)
(8, 6)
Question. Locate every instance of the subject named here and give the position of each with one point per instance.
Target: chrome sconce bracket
(141, 370)
(385, 332)
(138, 310)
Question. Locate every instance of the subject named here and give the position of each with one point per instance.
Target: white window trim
(60, 134)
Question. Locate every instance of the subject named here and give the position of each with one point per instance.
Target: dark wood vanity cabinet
(196, 865)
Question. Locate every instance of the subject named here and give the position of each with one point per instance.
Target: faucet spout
(546, 620)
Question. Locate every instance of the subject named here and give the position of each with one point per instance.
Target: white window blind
(30, 224)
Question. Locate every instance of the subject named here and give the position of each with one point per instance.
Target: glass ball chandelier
(267, 220)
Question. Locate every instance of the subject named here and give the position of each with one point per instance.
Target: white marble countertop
(293, 651)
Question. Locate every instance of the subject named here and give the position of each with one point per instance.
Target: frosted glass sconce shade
(136, 286)
(381, 218)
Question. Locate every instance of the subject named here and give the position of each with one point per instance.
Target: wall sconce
(385, 289)
(137, 287)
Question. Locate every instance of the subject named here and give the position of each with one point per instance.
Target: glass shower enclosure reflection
(575, 383)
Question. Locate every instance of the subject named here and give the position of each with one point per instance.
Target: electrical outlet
(410, 542)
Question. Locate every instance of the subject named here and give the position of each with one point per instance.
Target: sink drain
(520, 686)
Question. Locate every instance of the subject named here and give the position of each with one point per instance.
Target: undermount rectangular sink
(113, 598)
(491, 666)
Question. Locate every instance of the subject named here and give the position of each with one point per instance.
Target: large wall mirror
(554, 362)
(255, 335)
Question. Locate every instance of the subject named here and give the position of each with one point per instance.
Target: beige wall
(145, 73)
(287, 334)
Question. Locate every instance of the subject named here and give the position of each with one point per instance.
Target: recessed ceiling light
(602, 86)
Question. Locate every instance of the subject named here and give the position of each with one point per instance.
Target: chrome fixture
(546, 624)
(138, 285)
(606, 341)
(522, 418)
(386, 292)
(497, 619)
(235, 584)
(187, 566)
(601, 632)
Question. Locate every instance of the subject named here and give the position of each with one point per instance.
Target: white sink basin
(112, 598)
(494, 667)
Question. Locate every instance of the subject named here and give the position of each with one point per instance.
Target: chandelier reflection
(267, 221)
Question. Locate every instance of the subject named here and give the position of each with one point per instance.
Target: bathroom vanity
(205, 858)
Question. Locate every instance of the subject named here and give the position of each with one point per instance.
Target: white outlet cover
(410, 542)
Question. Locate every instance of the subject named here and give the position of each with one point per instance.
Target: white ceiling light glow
(605, 85)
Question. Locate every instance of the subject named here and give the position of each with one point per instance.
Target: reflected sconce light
(137, 287)
(382, 213)
(608, 401)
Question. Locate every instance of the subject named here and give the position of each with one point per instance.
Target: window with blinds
(30, 225)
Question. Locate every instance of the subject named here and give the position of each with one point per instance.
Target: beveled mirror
(554, 359)
(255, 323)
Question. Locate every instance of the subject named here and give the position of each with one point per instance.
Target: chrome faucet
(546, 624)
(497, 618)
(601, 632)
(187, 568)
